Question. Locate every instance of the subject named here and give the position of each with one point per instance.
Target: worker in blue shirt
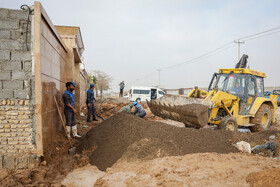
(70, 110)
(238, 89)
(90, 103)
(139, 110)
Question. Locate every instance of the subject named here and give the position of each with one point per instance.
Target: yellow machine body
(220, 100)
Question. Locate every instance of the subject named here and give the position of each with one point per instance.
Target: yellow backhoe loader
(234, 97)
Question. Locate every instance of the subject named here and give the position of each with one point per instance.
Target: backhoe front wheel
(262, 119)
(228, 123)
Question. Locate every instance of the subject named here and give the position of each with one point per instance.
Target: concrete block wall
(15, 60)
(17, 139)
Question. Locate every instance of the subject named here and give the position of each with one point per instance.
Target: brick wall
(17, 139)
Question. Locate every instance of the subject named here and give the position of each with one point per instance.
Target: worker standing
(139, 110)
(122, 85)
(90, 103)
(70, 109)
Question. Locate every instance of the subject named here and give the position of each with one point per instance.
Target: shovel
(99, 116)
(72, 149)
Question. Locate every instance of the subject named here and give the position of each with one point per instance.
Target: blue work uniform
(238, 90)
(91, 109)
(139, 111)
(69, 98)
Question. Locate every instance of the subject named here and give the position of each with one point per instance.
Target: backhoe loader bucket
(192, 112)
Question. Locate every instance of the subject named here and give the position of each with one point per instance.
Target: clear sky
(131, 39)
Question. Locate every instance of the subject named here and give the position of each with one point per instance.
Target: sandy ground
(83, 177)
(207, 169)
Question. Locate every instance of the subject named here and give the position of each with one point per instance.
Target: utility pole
(159, 70)
(238, 42)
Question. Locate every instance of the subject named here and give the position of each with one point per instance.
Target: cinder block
(5, 75)
(4, 34)
(17, 75)
(3, 13)
(28, 66)
(6, 94)
(13, 85)
(18, 14)
(9, 45)
(16, 35)
(23, 25)
(28, 74)
(20, 35)
(9, 162)
(5, 55)
(9, 24)
(18, 55)
(11, 65)
(21, 94)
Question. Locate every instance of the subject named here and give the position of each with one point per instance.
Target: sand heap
(131, 138)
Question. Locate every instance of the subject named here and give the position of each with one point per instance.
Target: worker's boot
(68, 131)
(75, 132)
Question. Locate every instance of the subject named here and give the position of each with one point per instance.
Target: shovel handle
(62, 121)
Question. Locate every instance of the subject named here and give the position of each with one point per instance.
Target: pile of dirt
(136, 138)
(267, 177)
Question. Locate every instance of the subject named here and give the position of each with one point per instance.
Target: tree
(92, 79)
(101, 81)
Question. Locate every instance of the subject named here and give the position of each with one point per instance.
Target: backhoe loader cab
(246, 84)
(239, 82)
(234, 97)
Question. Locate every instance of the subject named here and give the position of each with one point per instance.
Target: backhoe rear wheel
(262, 119)
(228, 123)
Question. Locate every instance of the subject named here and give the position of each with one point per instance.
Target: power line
(261, 36)
(215, 51)
(223, 46)
(205, 54)
(249, 36)
(194, 61)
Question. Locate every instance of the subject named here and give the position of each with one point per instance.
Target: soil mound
(267, 177)
(135, 138)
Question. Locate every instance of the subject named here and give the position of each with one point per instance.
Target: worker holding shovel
(70, 109)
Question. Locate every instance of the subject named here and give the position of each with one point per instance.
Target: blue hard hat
(74, 84)
(134, 103)
(91, 85)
